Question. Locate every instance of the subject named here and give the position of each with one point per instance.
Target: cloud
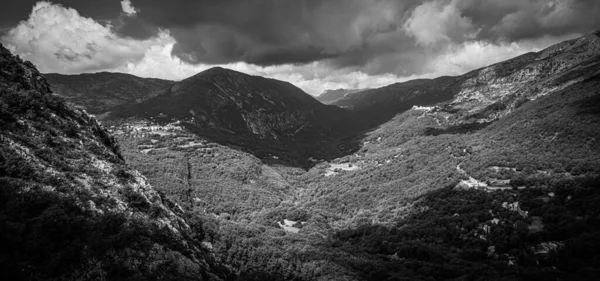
(59, 39)
(271, 32)
(128, 8)
(314, 78)
(375, 36)
(461, 58)
(314, 44)
(439, 22)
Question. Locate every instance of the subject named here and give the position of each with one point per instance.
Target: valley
(490, 175)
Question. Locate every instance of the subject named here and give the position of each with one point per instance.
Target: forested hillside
(103, 92)
(71, 208)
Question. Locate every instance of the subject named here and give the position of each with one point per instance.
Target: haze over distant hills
(330, 96)
(493, 174)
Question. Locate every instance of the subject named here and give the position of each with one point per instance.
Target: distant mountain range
(263, 115)
(330, 96)
(251, 111)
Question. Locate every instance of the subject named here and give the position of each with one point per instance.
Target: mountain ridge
(102, 92)
(504, 76)
(248, 111)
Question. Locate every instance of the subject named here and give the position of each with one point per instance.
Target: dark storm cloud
(270, 32)
(517, 19)
(374, 36)
(131, 26)
(14, 11)
(346, 32)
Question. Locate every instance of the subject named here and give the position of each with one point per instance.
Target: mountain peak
(592, 37)
(219, 71)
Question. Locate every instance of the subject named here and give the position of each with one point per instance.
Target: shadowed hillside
(102, 92)
(263, 116)
(71, 208)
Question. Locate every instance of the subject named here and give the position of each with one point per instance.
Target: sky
(314, 44)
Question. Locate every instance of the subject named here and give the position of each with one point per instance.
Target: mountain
(233, 102)
(330, 96)
(101, 92)
(490, 175)
(499, 188)
(71, 208)
(248, 111)
(491, 91)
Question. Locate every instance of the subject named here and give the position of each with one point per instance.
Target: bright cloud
(438, 22)
(59, 39)
(128, 8)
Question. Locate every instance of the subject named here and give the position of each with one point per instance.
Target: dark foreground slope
(101, 92)
(70, 208)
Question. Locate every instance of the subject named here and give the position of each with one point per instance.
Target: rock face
(70, 208)
(102, 92)
(494, 91)
(491, 92)
(330, 96)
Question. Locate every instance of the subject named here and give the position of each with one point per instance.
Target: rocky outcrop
(70, 207)
(527, 77)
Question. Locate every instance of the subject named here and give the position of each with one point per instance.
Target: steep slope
(330, 96)
(490, 92)
(70, 208)
(104, 91)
